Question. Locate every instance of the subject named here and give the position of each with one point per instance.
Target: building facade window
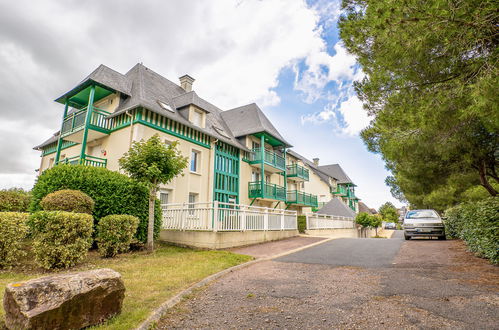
(197, 118)
(164, 198)
(192, 200)
(195, 157)
(255, 176)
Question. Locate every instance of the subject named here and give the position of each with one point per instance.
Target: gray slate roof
(316, 169)
(336, 207)
(364, 208)
(336, 171)
(52, 139)
(249, 119)
(105, 76)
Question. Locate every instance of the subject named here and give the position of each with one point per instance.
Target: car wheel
(407, 237)
(442, 238)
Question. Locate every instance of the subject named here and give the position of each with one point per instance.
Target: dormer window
(220, 131)
(165, 106)
(197, 118)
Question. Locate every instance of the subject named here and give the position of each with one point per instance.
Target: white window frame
(197, 169)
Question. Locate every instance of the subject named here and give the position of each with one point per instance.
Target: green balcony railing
(270, 158)
(297, 171)
(301, 198)
(76, 121)
(341, 190)
(269, 191)
(86, 160)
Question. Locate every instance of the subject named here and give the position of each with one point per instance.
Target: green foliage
(13, 230)
(368, 220)
(431, 86)
(477, 223)
(302, 223)
(477, 193)
(113, 193)
(389, 213)
(68, 200)
(153, 163)
(115, 234)
(61, 239)
(14, 200)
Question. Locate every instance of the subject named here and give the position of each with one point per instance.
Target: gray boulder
(65, 301)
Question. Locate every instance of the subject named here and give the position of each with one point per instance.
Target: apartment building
(236, 155)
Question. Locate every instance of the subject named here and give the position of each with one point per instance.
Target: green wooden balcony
(75, 122)
(86, 160)
(271, 159)
(341, 190)
(269, 191)
(301, 198)
(297, 172)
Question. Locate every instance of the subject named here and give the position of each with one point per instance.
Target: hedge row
(112, 192)
(14, 200)
(13, 230)
(476, 223)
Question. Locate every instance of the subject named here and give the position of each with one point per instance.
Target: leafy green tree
(154, 163)
(388, 212)
(368, 220)
(431, 86)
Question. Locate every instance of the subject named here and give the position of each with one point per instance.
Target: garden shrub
(476, 223)
(61, 239)
(115, 234)
(112, 192)
(13, 230)
(14, 200)
(364, 219)
(302, 223)
(68, 200)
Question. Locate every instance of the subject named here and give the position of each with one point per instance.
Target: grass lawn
(150, 279)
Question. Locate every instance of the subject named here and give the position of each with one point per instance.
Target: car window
(421, 214)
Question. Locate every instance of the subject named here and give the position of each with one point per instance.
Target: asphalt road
(352, 284)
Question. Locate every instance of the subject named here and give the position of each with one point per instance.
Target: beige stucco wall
(223, 240)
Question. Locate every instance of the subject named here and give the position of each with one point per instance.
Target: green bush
(115, 234)
(61, 239)
(13, 230)
(112, 192)
(14, 200)
(302, 223)
(363, 219)
(476, 223)
(68, 200)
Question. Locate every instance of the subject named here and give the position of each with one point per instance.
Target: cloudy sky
(283, 54)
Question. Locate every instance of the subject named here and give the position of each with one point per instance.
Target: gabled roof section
(104, 76)
(364, 208)
(336, 171)
(320, 173)
(336, 207)
(189, 98)
(52, 139)
(250, 119)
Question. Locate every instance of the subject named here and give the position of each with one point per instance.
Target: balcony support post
(59, 142)
(262, 163)
(87, 122)
(285, 177)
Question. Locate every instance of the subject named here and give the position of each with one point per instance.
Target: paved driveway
(352, 283)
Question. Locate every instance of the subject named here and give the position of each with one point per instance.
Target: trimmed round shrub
(68, 200)
(112, 192)
(14, 200)
(13, 230)
(61, 239)
(302, 223)
(115, 234)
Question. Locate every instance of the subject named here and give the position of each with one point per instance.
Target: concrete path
(275, 248)
(352, 283)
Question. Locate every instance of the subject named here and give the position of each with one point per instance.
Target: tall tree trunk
(482, 171)
(150, 224)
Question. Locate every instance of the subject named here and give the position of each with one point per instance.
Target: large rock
(66, 301)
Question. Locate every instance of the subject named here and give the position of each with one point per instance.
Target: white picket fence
(218, 216)
(323, 221)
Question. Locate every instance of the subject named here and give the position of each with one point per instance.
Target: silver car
(423, 223)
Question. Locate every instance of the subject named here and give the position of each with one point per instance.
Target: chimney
(316, 161)
(186, 82)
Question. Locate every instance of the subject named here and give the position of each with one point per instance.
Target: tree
(368, 220)
(431, 86)
(154, 163)
(388, 213)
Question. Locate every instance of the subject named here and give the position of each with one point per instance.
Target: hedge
(61, 239)
(13, 230)
(14, 200)
(476, 223)
(302, 223)
(115, 234)
(68, 200)
(112, 192)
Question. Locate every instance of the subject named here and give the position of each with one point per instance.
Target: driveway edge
(161, 310)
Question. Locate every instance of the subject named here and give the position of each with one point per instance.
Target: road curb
(161, 310)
